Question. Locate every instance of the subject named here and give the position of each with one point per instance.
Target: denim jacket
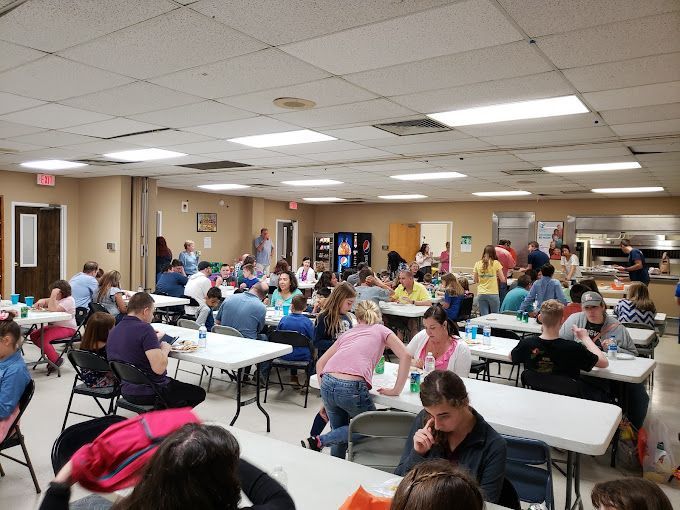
(14, 377)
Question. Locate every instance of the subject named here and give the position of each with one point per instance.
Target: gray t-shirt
(375, 294)
(263, 256)
(109, 301)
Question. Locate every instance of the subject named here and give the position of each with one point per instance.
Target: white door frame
(62, 238)
(295, 242)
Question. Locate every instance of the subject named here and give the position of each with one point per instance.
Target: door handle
(16, 264)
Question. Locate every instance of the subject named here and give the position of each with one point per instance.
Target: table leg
(239, 382)
(573, 478)
(256, 399)
(43, 358)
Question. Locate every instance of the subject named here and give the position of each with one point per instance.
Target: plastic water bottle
(278, 311)
(280, 476)
(486, 340)
(613, 349)
(428, 366)
(468, 330)
(202, 337)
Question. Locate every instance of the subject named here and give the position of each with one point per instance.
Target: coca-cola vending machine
(352, 248)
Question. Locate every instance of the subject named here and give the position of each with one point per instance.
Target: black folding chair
(294, 339)
(169, 314)
(86, 360)
(97, 307)
(127, 372)
(465, 311)
(16, 438)
(82, 314)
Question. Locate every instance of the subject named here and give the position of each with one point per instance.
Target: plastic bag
(627, 448)
(362, 500)
(654, 447)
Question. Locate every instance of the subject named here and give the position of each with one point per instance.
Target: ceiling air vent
(101, 162)
(135, 133)
(215, 165)
(413, 127)
(529, 171)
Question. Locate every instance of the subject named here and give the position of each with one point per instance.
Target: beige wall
(471, 218)
(304, 215)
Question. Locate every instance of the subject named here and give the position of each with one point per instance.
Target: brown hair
(433, 485)
(281, 266)
(488, 255)
(106, 282)
(293, 281)
(97, 330)
(630, 494)
(638, 294)
(452, 286)
(437, 312)
(442, 387)
(248, 267)
(590, 284)
(90, 266)
(298, 303)
(331, 308)
(139, 302)
(63, 286)
(464, 283)
(10, 328)
(162, 249)
(364, 274)
(533, 244)
(551, 312)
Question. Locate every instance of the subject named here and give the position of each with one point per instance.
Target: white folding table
(38, 319)
(165, 301)
(229, 353)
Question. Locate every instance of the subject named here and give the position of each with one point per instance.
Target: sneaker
(311, 443)
(51, 369)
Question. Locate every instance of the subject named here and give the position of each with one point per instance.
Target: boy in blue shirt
(515, 297)
(295, 321)
(248, 277)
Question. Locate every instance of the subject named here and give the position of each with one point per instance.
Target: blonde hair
(332, 306)
(638, 294)
(368, 313)
(551, 312)
(452, 286)
(187, 243)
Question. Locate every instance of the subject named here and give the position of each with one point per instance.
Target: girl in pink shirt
(346, 372)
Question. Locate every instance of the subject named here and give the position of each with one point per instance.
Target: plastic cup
(15, 299)
(473, 329)
(286, 309)
(29, 300)
(24, 312)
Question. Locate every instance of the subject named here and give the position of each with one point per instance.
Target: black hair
(548, 270)
(438, 313)
(577, 290)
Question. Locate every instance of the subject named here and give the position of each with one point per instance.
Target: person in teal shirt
(515, 297)
(286, 290)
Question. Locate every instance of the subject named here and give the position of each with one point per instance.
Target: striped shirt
(626, 311)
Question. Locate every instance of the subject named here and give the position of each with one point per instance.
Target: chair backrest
(637, 325)
(75, 436)
(82, 314)
(465, 309)
(292, 338)
(88, 360)
(550, 383)
(509, 497)
(226, 330)
(188, 323)
(97, 307)
(192, 301)
(524, 462)
(383, 436)
(129, 373)
(25, 399)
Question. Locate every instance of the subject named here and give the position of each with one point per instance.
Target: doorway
(38, 250)
(286, 242)
(404, 238)
(437, 234)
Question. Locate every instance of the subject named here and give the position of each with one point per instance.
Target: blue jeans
(488, 303)
(343, 400)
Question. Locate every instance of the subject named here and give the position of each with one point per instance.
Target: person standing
(507, 244)
(444, 259)
(163, 254)
(84, 285)
(189, 258)
(264, 249)
(570, 264)
(487, 273)
(536, 259)
(508, 263)
(637, 272)
(424, 258)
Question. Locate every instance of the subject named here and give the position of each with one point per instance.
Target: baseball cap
(203, 264)
(591, 299)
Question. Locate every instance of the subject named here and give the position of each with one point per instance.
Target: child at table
(13, 373)
(248, 277)
(453, 295)
(299, 323)
(94, 340)
(204, 314)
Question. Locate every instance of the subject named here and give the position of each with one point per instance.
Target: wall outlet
(185, 206)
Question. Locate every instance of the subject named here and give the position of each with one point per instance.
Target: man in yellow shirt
(410, 291)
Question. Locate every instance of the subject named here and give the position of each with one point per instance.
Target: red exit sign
(292, 205)
(46, 180)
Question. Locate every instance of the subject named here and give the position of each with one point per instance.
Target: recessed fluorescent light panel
(595, 167)
(648, 189)
(312, 182)
(401, 197)
(428, 176)
(144, 155)
(286, 138)
(324, 199)
(222, 187)
(501, 193)
(536, 109)
(52, 164)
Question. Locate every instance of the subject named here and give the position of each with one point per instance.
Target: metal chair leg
(29, 464)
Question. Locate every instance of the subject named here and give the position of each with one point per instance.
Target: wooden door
(405, 239)
(37, 241)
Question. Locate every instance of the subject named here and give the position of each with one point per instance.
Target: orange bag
(363, 500)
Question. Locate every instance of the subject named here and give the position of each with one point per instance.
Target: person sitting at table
(604, 330)
(286, 290)
(60, 300)
(424, 258)
(346, 374)
(335, 318)
(435, 484)
(575, 293)
(111, 296)
(133, 340)
(440, 337)
(172, 280)
(227, 275)
(410, 292)
(449, 428)
(14, 375)
(371, 288)
(466, 286)
(189, 258)
(84, 285)
(245, 312)
(204, 314)
(305, 273)
(543, 289)
(353, 277)
(629, 494)
(590, 284)
(249, 278)
(198, 286)
(637, 307)
(94, 340)
(281, 267)
(487, 273)
(514, 298)
(197, 466)
(417, 273)
(427, 281)
(327, 280)
(453, 296)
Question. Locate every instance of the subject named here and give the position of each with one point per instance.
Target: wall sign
(46, 180)
(466, 244)
(550, 237)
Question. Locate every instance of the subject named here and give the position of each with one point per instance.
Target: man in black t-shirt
(551, 355)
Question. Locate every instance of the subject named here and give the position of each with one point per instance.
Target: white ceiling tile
(536, 86)
(12, 145)
(164, 138)
(138, 97)
(246, 74)
(12, 55)
(293, 20)
(275, 161)
(371, 112)
(319, 147)
(351, 155)
(243, 127)
(538, 17)
(52, 25)
(104, 146)
(359, 133)
(642, 114)
(644, 95)
(210, 148)
(615, 75)
(413, 139)
(12, 103)
(53, 78)
(567, 135)
(326, 92)
(485, 64)
(10, 129)
(51, 153)
(531, 125)
(647, 128)
(438, 147)
(54, 139)
(112, 127)
(206, 112)
(54, 116)
(594, 154)
(177, 40)
(455, 28)
(617, 41)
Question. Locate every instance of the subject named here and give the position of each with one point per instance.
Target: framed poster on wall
(550, 238)
(206, 222)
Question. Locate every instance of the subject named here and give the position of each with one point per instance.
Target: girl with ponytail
(14, 375)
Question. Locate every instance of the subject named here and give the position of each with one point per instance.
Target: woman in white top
(424, 258)
(305, 273)
(440, 337)
(570, 265)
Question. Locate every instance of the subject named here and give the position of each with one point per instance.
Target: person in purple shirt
(135, 341)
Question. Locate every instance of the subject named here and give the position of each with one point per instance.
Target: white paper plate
(624, 355)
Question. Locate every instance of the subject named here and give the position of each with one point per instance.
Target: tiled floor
(290, 422)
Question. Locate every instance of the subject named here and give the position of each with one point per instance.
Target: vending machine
(351, 248)
(323, 249)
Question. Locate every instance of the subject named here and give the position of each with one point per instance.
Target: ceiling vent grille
(135, 133)
(413, 127)
(215, 165)
(258, 185)
(102, 162)
(526, 171)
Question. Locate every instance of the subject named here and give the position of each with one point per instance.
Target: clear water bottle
(280, 476)
(429, 364)
(613, 349)
(468, 330)
(278, 311)
(202, 337)
(486, 340)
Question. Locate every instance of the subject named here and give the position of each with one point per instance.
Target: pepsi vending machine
(352, 248)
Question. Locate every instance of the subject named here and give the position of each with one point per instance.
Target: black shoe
(51, 369)
(311, 443)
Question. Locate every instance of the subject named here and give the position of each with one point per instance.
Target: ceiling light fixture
(501, 193)
(535, 109)
(294, 103)
(52, 164)
(428, 176)
(279, 139)
(222, 187)
(643, 189)
(312, 182)
(143, 155)
(401, 197)
(324, 199)
(592, 167)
